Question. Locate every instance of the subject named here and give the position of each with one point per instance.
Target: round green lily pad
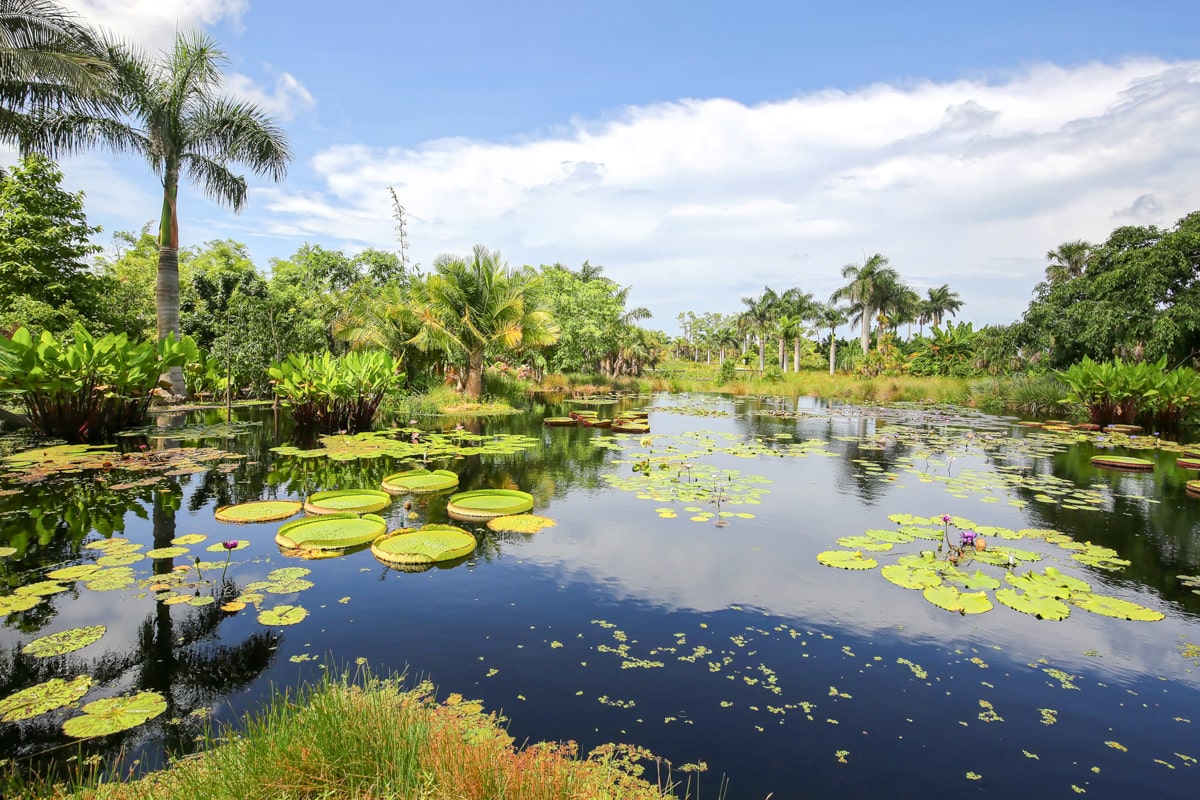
(630, 426)
(219, 547)
(336, 501)
(330, 531)
(911, 577)
(68, 641)
(40, 589)
(425, 545)
(846, 559)
(558, 422)
(520, 523)
(1035, 605)
(115, 714)
(16, 602)
(1193, 488)
(1123, 462)
(1115, 607)
(167, 552)
(951, 599)
(484, 504)
(420, 481)
(73, 573)
(282, 615)
(120, 559)
(5, 552)
(259, 511)
(49, 696)
(190, 538)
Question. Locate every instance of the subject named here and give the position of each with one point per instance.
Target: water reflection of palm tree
(181, 659)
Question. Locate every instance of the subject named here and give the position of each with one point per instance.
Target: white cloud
(282, 104)
(153, 23)
(700, 201)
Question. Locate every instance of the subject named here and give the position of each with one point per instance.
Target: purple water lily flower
(967, 537)
(230, 544)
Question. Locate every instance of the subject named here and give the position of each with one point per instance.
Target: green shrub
(89, 388)
(727, 371)
(335, 392)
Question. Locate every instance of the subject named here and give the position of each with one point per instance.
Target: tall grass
(354, 740)
(1030, 395)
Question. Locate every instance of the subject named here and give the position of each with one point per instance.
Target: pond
(678, 602)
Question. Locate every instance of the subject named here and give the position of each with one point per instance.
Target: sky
(698, 151)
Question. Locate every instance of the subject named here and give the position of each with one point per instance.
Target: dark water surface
(728, 644)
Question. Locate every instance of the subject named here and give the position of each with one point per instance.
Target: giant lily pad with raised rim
(1114, 607)
(49, 696)
(63, 642)
(1188, 463)
(558, 422)
(484, 504)
(337, 501)
(1123, 462)
(846, 559)
(115, 714)
(420, 481)
(259, 511)
(330, 531)
(520, 523)
(1193, 488)
(424, 545)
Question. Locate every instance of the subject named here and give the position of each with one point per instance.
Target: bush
(335, 393)
(727, 371)
(87, 389)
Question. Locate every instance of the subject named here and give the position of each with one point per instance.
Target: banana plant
(335, 392)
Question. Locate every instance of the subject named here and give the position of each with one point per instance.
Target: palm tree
(759, 314)
(48, 61)
(868, 284)
(1067, 261)
(937, 304)
(470, 304)
(831, 316)
(798, 308)
(176, 117)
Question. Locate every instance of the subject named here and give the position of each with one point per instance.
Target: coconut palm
(177, 118)
(1067, 261)
(869, 283)
(937, 304)
(49, 61)
(470, 304)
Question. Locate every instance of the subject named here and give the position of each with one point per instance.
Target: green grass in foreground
(354, 740)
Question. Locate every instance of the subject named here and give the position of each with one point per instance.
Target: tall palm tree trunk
(832, 350)
(782, 356)
(474, 387)
(167, 285)
(796, 356)
(762, 353)
(865, 336)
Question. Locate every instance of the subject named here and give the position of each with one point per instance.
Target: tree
(48, 61)
(937, 304)
(831, 316)
(759, 315)
(1067, 261)
(869, 283)
(176, 118)
(470, 304)
(44, 241)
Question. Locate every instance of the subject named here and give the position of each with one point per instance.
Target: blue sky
(698, 150)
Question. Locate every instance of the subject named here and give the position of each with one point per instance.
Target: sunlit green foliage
(335, 393)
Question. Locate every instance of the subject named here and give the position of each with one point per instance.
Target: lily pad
(520, 523)
(15, 602)
(167, 552)
(259, 511)
(73, 573)
(189, 538)
(282, 615)
(337, 501)
(5, 552)
(219, 547)
(68, 641)
(1038, 606)
(951, 599)
(288, 573)
(120, 559)
(420, 481)
(49, 696)
(846, 559)
(1123, 462)
(911, 577)
(865, 543)
(1115, 607)
(330, 531)
(484, 504)
(424, 545)
(115, 714)
(976, 581)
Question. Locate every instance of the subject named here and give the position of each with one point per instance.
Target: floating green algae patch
(425, 545)
(52, 695)
(484, 504)
(338, 531)
(63, 642)
(420, 481)
(258, 511)
(115, 714)
(520, 523)
(359, 501)
(36, 465)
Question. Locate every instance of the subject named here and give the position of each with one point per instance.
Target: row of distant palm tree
(65, 88)
(875, 289)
